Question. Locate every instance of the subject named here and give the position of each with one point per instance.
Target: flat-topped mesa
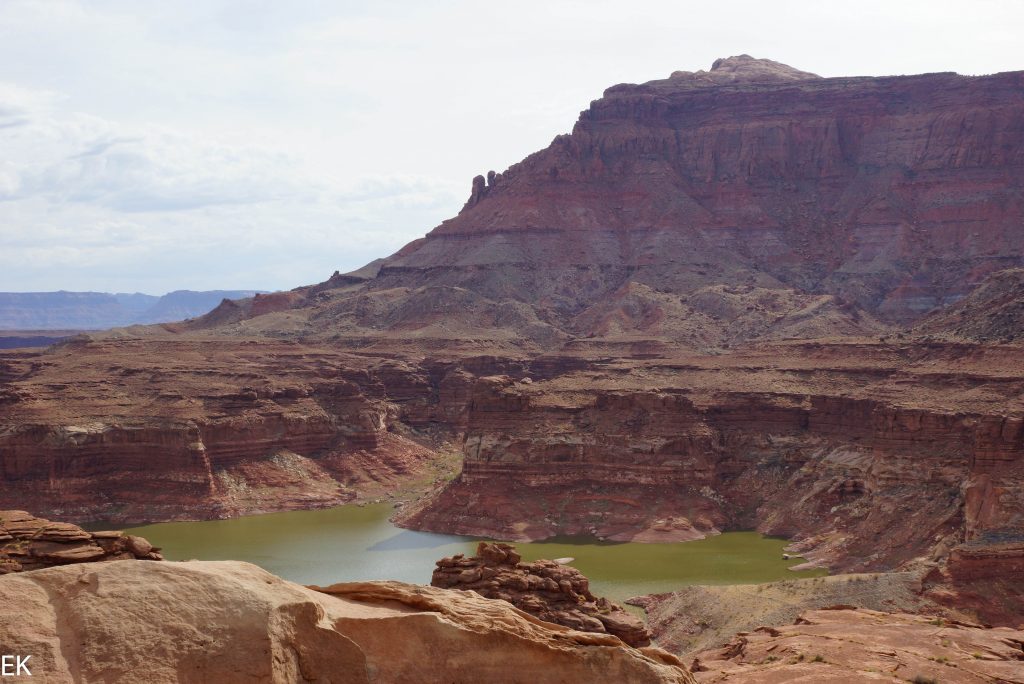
(893, 194)
(31, 543)
(547, 589)
(746, 202)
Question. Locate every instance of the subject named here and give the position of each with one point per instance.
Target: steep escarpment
(233, 622)
(896, 195)
(127, 431)
(751, 201)
(825, 444)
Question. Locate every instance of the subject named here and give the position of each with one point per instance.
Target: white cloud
(263, 144)
(83, 199)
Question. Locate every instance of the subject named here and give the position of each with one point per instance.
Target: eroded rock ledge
(860, 645)
(228, 621)
(545, 588)
(30, 543)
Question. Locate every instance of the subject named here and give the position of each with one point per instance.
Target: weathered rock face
(129, 431)
(854, 646)
(753, 201)
(547, 589)
(897, 194)
(30, 543)
(799, 447)
(233, 622)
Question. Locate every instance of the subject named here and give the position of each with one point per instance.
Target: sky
(227, 144)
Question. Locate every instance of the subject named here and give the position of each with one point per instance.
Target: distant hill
(99, 310)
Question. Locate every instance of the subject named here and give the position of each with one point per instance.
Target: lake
(359, 543)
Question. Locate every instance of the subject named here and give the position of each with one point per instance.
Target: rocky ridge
(31, 543)
(547, 589)
(233, 622)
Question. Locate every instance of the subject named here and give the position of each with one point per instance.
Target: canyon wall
(829, 457)
(211, 435)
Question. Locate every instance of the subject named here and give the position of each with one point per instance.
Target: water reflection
(410, 539)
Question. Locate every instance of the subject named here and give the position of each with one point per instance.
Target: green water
(358, 543)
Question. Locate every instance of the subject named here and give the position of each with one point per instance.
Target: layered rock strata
(31, 543)
(827, 444)
(134, 431)
(233, 622)
(546, 589)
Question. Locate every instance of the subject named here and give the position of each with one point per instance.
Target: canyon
(743, 298)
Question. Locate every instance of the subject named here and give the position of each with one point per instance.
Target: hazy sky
(152, 146)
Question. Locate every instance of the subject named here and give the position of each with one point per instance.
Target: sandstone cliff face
(898, 194)
(232, 622)
(829, 456)
(126, 432)
(752, 201)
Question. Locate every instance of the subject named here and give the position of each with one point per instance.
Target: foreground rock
(233, 622)
(551, 591)
(697, 618)
(30, 543)
(864, 645)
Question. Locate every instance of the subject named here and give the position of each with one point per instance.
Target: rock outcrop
(750, 201)
(30, 543)
(233, 622)
(891, 195)
(546, 589)
(853, 646)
